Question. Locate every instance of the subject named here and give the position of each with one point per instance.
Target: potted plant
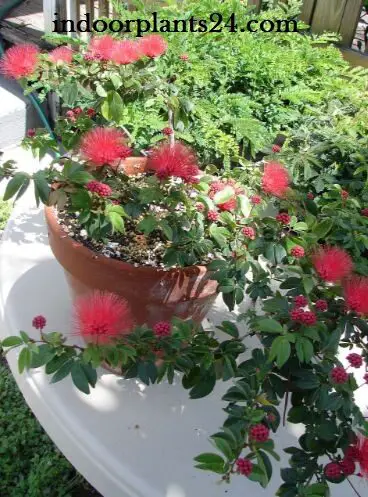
(308, 295)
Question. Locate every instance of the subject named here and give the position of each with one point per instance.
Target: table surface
(126, 439)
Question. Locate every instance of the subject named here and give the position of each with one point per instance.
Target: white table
(126, 439)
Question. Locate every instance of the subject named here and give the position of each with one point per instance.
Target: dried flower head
(19, 61)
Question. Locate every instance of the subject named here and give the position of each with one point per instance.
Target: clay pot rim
(51, 219)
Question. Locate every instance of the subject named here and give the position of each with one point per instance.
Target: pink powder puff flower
(19, 61)
(104, 146)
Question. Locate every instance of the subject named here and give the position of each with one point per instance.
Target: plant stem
(127, 133)
(285, 407)
(352, 486)
(171, 121)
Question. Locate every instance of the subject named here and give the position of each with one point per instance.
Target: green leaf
(224, 195)
(63, 371)
(15, 184)
(100, 90)
(269, 326)
(117, 222)
(11, 341)
(211, 462)
(147, 225)
(42, 188)
(229, 328)
(79, 377)
(90, 373)
(166, 228)
(275, 253)
(204, 387)
(245, 205)
(69, 94)
(311, 207)
(44, 354)
(24, 359)
(219, 233)
(113, 106)
(24, 336)
(280, 350)
(116, 81)
(223, 446)
(323, 228)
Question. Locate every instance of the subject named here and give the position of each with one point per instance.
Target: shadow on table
(27, 227)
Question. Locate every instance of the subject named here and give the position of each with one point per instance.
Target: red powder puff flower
(77, 111)
(153, 45)
(249, 232)
(298, 252)
(162, 329)
(364, 212)
(19, 61)
(332, 263)
(200, 207)
(300, 301)
(362, 447)
(61, 55)
(39, 322)
(244, 466)
(101, 47)
(283, 218)
(101, 316)
(212, 216)
(310, 196)
(256, 199)
(229, 205)
(126, 52)
(276, 149)
(339, 375)
(167, 131)
(259, 433)
(321, 305)
(91, 112)
(177, 160)
(104, 146)
(333, 471)
(100, 189)
(355, 360)
(275, 180)
(356, 294)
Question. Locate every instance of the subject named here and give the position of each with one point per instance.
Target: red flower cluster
(339, 376)
(174, 161)
(256, 199)
(275, 180)
(100, 317)
(100, 189)
(355, 360)
(298, 252)
(356, 294)
(259, 433)
(19, 61)
(344, 194)
(212, 216)
(39, 322)
(249, 232)
(184, 56)
(31, 133)
(61, 55)
(276, 149)
(321, 305)
(244, 466)
(332, 263)
(229, 205)
(364, 212)
(310, 196)
(300, 301)
(167, 131)
(283, 218)
(162, 329)
(104, 146)
(308, 318)
(333, 471)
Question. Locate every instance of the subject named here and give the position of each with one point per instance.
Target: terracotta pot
(153, 294)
